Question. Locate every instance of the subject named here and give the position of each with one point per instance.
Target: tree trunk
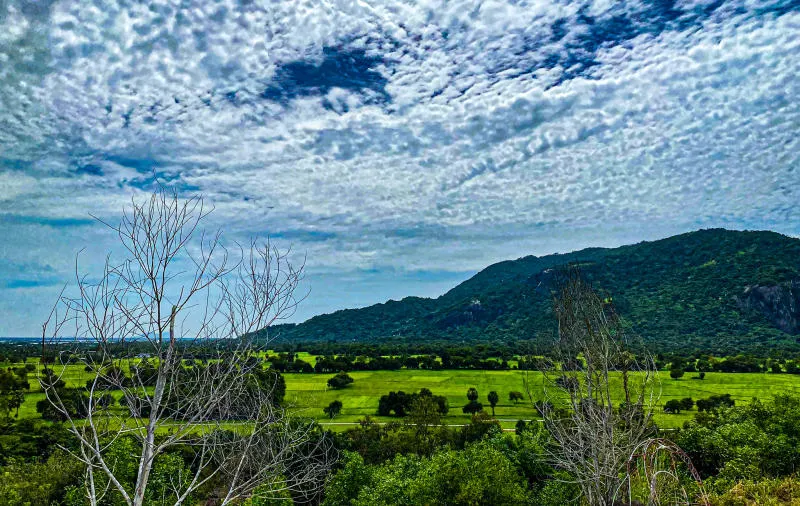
(148, 445)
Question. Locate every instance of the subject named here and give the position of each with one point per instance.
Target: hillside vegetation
(716, 291)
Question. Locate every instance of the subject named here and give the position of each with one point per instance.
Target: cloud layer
(391, 140)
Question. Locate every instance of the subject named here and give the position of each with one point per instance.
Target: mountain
(716, 291)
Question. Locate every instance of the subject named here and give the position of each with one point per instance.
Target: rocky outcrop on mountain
(780, 304)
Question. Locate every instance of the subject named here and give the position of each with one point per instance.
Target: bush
(767, 492)
(676, 373)
(748, 442)
(43, 483)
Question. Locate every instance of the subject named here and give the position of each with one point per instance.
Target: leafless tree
(176, 298)
(659, 469)
(598, 394)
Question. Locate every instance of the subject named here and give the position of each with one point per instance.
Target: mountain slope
(714, 290)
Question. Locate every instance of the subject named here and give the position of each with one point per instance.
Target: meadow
(308, 394)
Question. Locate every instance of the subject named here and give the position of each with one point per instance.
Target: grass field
(307, 394)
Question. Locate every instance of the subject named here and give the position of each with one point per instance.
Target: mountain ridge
(686, 292)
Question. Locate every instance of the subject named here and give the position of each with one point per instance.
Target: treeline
(68, 351)
(734, 364)
(289, 362)
(460, 358)
(334, 357)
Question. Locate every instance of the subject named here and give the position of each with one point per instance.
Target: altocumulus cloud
(400, 144)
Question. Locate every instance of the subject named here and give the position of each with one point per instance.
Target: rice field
(307, 394)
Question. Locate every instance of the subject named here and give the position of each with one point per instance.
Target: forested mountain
(716, 290)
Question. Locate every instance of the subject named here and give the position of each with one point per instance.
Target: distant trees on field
(339, 381)
(675, 406)
(333, 409)
(715, 402)
(473, 406)
(493, 399)
(400, 403)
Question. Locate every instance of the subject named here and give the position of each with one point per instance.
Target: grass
(307, 394)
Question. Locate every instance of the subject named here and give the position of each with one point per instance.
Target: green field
(307, 394)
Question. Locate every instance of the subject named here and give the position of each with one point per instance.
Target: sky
(399, 147)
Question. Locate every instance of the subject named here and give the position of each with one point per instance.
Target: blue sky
(401, 146)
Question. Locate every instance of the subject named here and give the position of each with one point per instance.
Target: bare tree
(598, 395)
(168, 329)
(600, 388)
(661, 469)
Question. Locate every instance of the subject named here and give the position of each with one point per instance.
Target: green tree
(472, 407)
(673, 406)
(423, 417)
(345, 486)
(333, 409)
(46, 482)
(515, 397)
(744, 442)
(676, 372)
(424, 412)
(493, 400)
(13, 384)
(341, 380)
(481, 474)
(472, 394)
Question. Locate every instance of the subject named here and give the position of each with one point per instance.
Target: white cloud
(467, 133)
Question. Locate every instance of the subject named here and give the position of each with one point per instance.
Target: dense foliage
(761, 439)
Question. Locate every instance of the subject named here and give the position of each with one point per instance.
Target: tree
(480, 474)
(715, 402)
(493, 400)
(13, 383)
(333, 409)
(673, 406)
(341, 380)
(424, 415)
(687, 403)
(472, 407)
(676, 372)
(472, 394)
(597, 436)
(180, 293)
(515, 397)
